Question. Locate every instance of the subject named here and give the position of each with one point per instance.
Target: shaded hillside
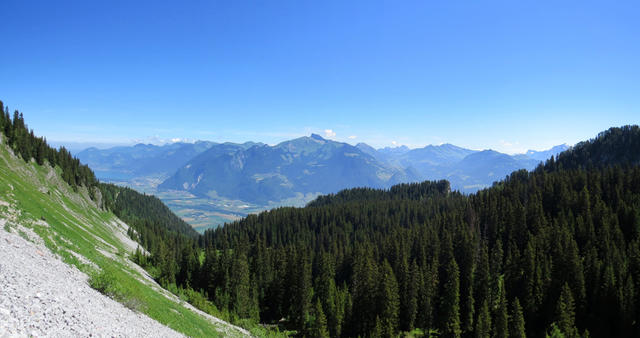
(143, 212)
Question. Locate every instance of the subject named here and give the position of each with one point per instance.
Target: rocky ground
(42, 296)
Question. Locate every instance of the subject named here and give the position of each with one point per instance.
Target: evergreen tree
(501, 316)
(450, 301)
(319, 326)
(301, 291)
(389, 302)
(565, 313)
(483, 323)
(516, 327)
(241, 299)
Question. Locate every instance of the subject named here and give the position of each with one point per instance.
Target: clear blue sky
(506, 75)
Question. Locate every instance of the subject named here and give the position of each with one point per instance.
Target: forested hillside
(554, 250)
(28, 146)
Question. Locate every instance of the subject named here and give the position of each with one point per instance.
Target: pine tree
(319, 326)
(450, 301)
(241, 300)
(413, 291)
(326, 291)
(516, 327)
(483, 323)
(501, 316)
(365, 277)
(565, 313)
(301, 290)
(389, 305)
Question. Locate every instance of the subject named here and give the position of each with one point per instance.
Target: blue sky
(506, 75)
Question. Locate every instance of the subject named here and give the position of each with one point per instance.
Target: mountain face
(482, 168)
(262, 173)
(124, 163)
(467, 170)
(546, 154)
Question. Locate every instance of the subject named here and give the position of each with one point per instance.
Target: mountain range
(301, 168)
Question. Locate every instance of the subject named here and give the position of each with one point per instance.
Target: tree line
(28, 146)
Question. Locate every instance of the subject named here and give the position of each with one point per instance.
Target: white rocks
(41, 296)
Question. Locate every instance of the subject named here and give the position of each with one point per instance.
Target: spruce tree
(516, 327)
(319, 326)
(301, 291)
(483, 323)
(450, 300)
(565, 313)
(501, 316)
(389, 306)
(241, 287)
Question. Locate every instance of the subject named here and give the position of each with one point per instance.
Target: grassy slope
(36, 200)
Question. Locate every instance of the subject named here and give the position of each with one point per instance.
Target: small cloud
(510, 147)
(352, 137)
(159, 141)
(394, 143)
(329, 133)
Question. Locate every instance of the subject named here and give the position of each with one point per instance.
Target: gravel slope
(42, 296)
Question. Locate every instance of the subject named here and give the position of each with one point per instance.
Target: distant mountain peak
(317, 137)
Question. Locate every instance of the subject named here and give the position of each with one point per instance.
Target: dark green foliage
(319, 326)
(516, 321)
(501, 315)
(406, 191)
(26, 145)
(450, 302)
(616, 146)
(483, 322)
(147, 210)
(388, 300)
(565, 313)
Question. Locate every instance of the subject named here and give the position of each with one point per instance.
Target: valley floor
(42, 296)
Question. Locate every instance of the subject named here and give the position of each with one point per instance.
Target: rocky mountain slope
(42, 296)
(66, 243)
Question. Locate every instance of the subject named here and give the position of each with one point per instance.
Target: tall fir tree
(389, 302)
(516, 321)
(450, 301)
(501, 314)
(319, 326)
(565, 313)
(483, 322)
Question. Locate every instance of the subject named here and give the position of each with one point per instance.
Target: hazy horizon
(76, 147)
